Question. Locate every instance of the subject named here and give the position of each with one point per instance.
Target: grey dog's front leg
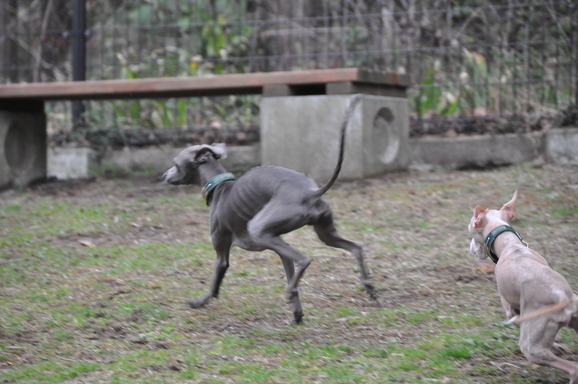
(222, 245)
(292, 296)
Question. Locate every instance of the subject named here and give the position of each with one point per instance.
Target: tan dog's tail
(549, 309)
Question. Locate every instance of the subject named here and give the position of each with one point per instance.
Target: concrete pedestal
(72, 163)
(562, 146)
(303, 133)
(22, 148)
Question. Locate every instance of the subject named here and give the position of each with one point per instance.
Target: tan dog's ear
(507, 212)
(480, 216)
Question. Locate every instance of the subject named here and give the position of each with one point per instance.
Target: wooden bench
(27, 99)
(313, 82)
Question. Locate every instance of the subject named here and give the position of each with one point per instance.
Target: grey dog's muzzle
(169, 175)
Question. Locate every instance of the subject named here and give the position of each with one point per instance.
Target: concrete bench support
(22, 147)
(303, 133)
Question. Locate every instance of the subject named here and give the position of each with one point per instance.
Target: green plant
(475, 93)
(431, 100)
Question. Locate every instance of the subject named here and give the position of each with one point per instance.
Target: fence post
(78, 58)
(575, 4)
(10, 48)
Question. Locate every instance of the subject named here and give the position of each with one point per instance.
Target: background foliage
(506, 65)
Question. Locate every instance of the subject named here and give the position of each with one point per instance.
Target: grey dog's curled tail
(330, 182)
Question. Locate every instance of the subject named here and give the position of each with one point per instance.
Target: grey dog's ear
(204, 151)
(219, 150)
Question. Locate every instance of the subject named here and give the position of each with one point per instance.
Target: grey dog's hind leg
(264, 228)
(222, 245)
(327, 233)
(278, 245)
(294, 297)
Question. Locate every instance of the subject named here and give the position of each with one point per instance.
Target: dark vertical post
(342, 31)
(575, 4)
(78, 57)
(10, 49)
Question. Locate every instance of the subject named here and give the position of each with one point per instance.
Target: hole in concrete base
(17, 148)
(385, 135)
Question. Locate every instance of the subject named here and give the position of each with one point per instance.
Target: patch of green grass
(50, 372)
(418, 317)
(566, 212)
(112, 171)
(457, 352)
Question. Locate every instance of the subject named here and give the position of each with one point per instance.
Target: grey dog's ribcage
(256, 188)
(245, 201)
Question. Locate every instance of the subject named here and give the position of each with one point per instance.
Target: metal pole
(10, 48)
(575, 5)
(78, 57)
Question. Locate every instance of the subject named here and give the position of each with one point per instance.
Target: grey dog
(255, 210)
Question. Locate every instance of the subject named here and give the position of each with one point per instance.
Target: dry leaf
(86, 243)
(487, 268)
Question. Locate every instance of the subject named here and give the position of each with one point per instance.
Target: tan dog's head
(185, 170)
(484, 220)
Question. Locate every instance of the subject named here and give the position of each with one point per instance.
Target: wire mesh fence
(475, 66)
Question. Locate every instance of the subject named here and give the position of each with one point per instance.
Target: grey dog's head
(186, 168)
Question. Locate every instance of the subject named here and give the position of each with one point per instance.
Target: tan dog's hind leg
(536, 340)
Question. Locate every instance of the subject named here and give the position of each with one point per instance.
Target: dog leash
(492, 237)
(213, 182)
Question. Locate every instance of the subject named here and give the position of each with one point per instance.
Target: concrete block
(476, 151)
(303, 133)
(72, 163)
(562, 146)
(239, 158)
(140, 159)
(242, 158)
(22, 148)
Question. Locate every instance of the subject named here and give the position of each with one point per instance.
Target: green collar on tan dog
(492, 237)
(211, 184)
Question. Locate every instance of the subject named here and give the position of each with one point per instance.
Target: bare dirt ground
(121, 257)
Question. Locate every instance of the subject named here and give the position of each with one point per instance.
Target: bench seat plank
(213, 85)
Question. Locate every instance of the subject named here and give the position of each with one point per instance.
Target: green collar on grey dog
(492, 237)
(211, 184)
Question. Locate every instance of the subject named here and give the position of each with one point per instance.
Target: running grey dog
(532, 294)
(255, 210)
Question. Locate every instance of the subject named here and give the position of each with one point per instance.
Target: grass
(94, 277)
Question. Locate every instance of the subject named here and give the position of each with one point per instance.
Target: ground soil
(412, 226)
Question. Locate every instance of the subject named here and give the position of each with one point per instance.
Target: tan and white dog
(534, 296)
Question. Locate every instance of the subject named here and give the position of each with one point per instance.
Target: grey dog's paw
(371, 292)
(297, 320)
